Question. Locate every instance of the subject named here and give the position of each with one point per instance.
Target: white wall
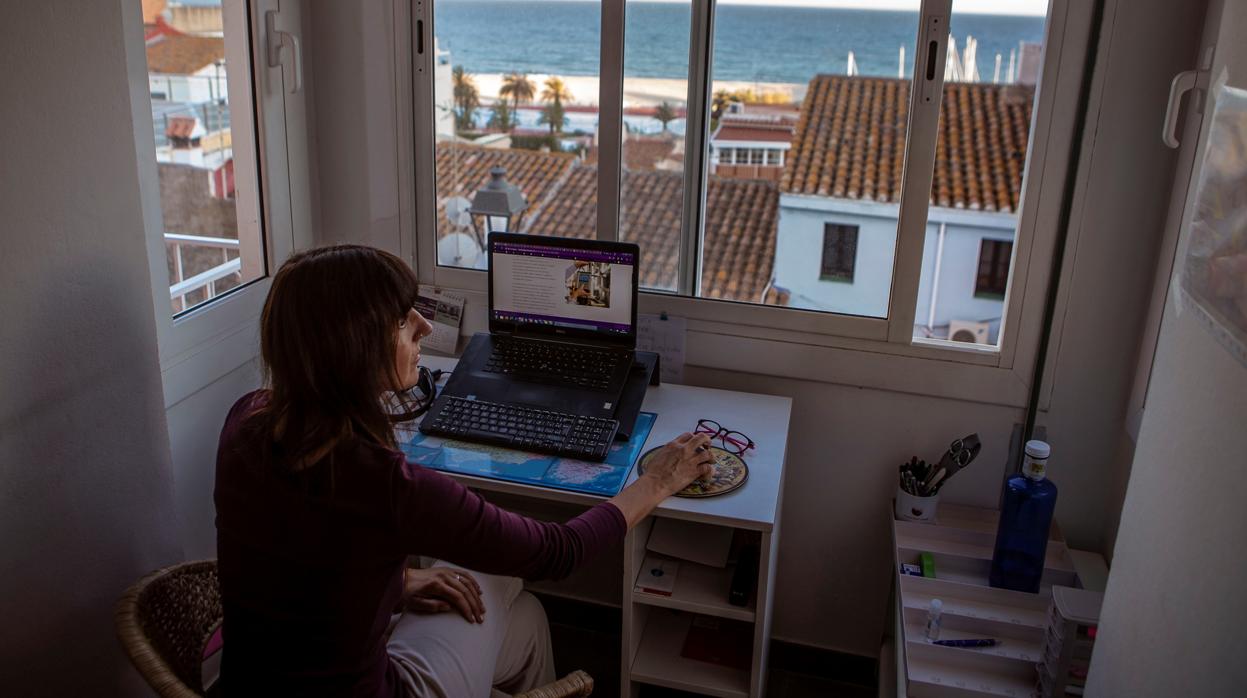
(1106, 284)
(1172, 621)
(86, 496)
(799, 254)
(351, 55)
(964, 232)
(799, 249)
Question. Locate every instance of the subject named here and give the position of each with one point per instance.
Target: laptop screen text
(562, 287)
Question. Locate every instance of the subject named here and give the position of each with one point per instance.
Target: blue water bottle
(1025, 516)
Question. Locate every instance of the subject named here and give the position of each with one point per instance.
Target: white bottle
(933, 619)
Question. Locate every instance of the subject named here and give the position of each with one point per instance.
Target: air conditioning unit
(968, 331)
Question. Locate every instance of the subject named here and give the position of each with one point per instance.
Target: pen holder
(912, 508)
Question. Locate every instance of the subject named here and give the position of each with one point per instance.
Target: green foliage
(554, 116)
(466, 97)
(664, 112)
(548, 141)
(502, 117)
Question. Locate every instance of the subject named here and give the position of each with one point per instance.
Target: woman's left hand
(440, 589)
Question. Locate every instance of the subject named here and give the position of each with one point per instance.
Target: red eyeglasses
(733, 442)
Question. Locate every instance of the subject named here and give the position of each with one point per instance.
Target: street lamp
(497, 202)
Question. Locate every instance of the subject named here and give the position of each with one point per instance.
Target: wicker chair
(165, 619)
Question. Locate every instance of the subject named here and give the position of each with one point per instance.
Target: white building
(751, 144)
(838, 203)
(443, 93)
(183, 68)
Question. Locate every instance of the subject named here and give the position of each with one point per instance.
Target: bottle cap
(1038, 449)
(936, 604)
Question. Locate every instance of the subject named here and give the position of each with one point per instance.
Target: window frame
(1001, 373)
(204, 343)
(840, 229)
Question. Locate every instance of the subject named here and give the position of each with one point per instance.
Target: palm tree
(501, 117)
(554, 94)
(553, 115)
(519, 88)
(556, 91)
(719, 102)
(465, 96)
(665, 113)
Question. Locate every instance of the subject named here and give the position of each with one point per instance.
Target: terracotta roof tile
(741, 220)
(850, 142)
(739, 128)
(180, 54)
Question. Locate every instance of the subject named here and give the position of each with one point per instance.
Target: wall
(86, 496)
(964, 232)
(1172, 618)
(799, 254)
(1117, 225)
(799, 250)
(351, 55)
(846, 440)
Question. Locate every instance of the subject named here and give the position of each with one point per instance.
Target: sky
(987, 7)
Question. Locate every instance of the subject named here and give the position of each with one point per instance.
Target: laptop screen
(565, 289)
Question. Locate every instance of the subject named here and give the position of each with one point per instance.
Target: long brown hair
(327, 341)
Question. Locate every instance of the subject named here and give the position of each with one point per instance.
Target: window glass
(993, 271)
(981, 154)
(839, 252)
(651, 199)
(828, 85)
(515, 110)
(208, 249)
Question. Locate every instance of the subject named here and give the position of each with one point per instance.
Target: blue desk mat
(542, 470)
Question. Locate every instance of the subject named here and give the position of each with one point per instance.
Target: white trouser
(444, 656)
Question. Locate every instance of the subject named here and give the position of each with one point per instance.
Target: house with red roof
(840, 200)
(752, 143)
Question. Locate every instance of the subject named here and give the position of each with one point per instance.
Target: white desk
(654, 626)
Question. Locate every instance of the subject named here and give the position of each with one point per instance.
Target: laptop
(562, 325)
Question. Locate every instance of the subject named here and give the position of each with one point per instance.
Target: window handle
(276, 40)
(1182, 83)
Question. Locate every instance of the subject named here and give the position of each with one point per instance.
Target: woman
(317, 512)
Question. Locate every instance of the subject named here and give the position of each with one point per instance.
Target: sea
(752, 43)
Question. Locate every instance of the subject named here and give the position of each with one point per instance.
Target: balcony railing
(182, 286)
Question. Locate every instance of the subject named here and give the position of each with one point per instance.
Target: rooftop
(732, 129)
(741, 220)
(850, 142)
(181, 54)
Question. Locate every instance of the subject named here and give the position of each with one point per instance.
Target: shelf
(949, 671)
(658, 661)
(1022, 644)
(701, 589)
(981, 603)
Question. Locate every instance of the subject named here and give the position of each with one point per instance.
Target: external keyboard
(560, 433)
(552, 362)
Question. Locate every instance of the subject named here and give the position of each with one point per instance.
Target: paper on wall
(664, 335)
(1213, 271)
(445, 310)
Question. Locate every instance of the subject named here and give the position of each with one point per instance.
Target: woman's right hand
(684, 459)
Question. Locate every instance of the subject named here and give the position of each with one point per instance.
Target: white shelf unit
(961, 543)
(700, 589)
(655, 626)
(657, 660)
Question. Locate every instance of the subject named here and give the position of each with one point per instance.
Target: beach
(638, 92)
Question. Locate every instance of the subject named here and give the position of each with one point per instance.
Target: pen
(983, 642)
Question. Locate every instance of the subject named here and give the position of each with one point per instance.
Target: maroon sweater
(311, 563)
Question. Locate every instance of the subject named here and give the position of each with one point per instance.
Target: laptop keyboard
(552, 362)
(513, 426)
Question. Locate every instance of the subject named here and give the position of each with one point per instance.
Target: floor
(586, 637)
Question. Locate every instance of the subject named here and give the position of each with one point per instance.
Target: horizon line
(1036, 8)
